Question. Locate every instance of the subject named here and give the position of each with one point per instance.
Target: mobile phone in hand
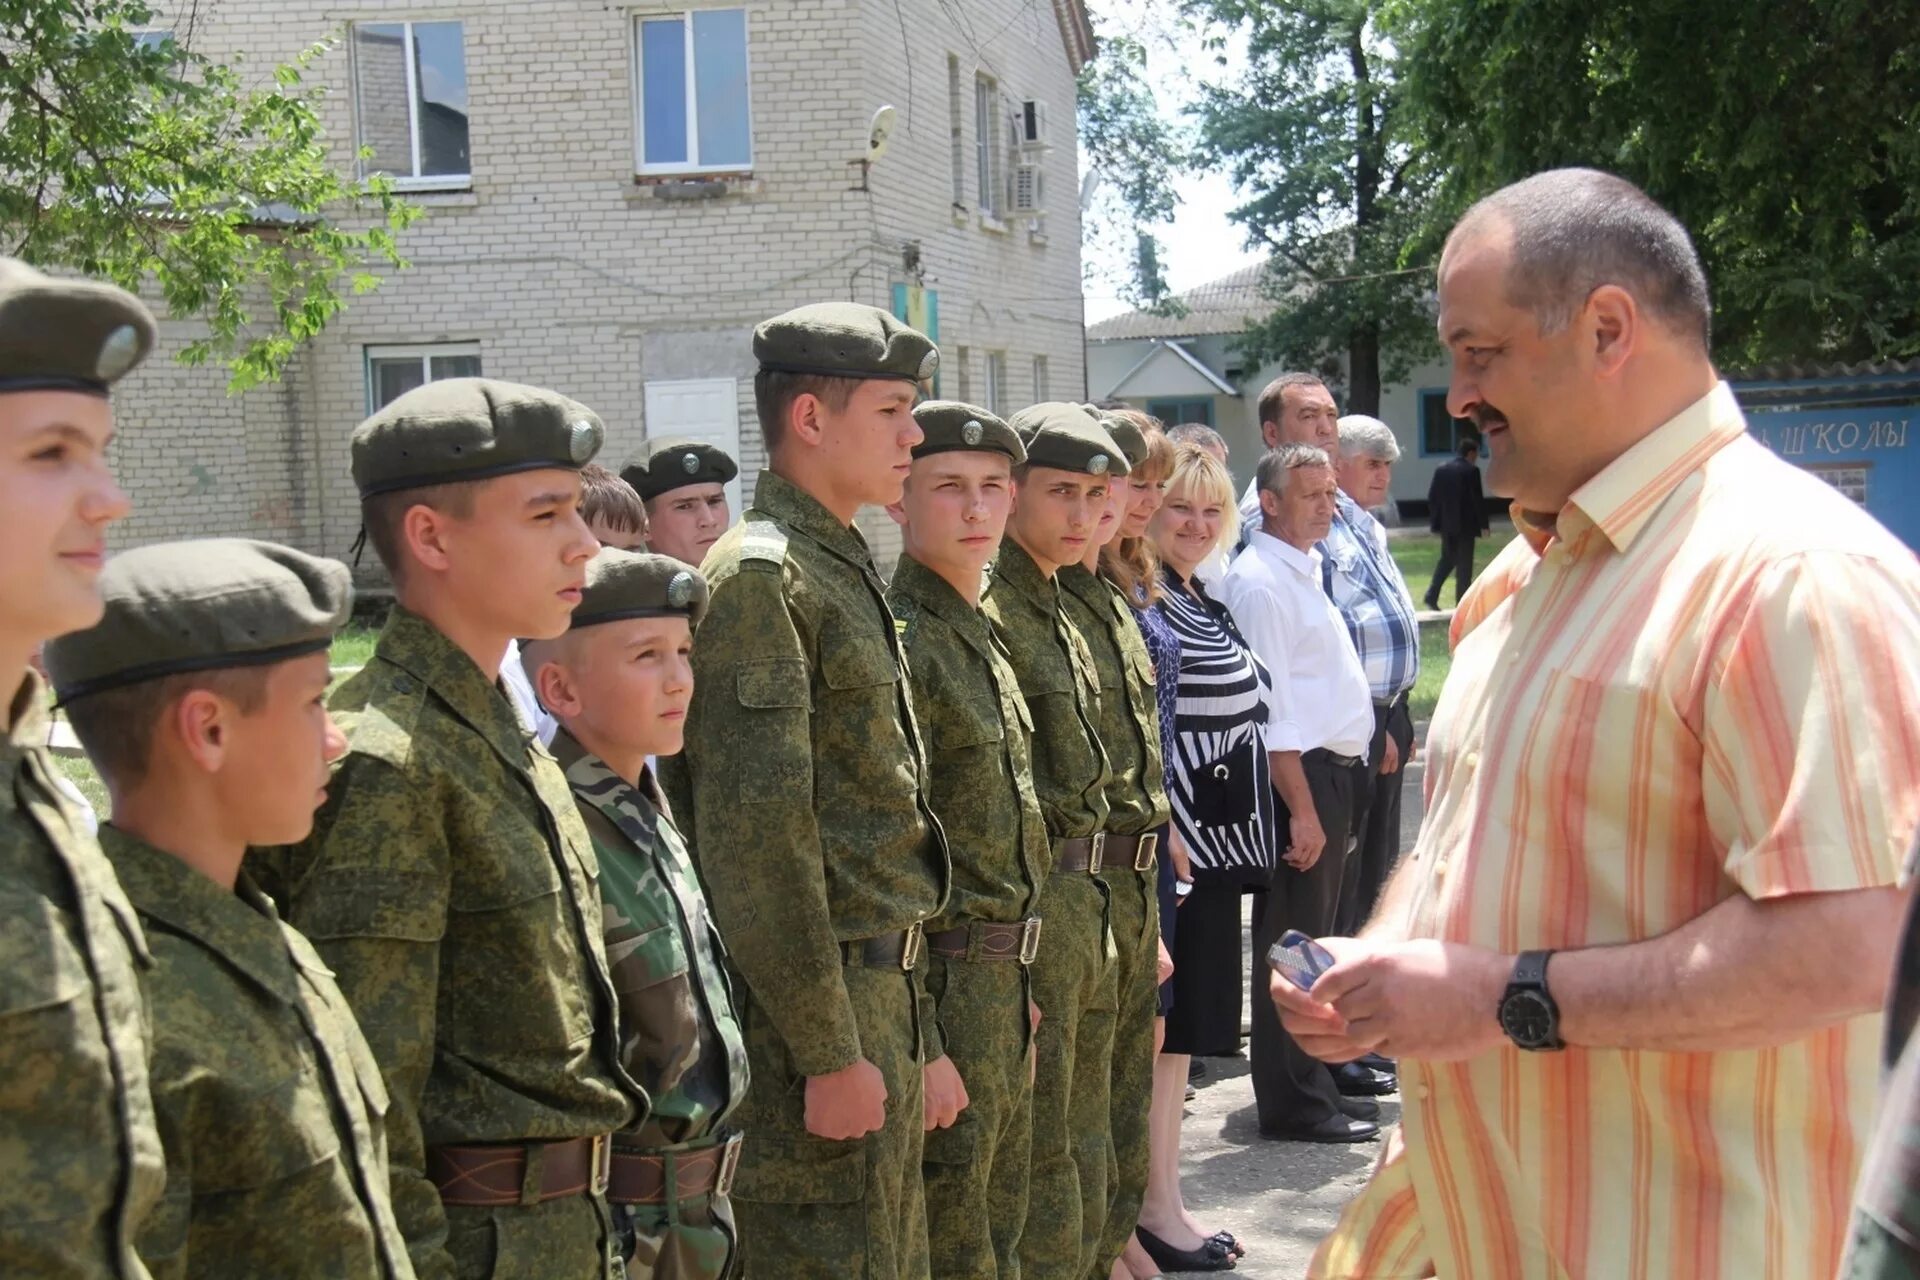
(1300, 958)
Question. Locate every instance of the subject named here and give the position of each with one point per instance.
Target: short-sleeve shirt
(1701, 680)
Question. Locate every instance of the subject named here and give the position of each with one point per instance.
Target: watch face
(1527, 1018)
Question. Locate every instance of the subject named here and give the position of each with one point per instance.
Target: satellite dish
(878, 132)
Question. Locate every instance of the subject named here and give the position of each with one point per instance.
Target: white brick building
(604, 223)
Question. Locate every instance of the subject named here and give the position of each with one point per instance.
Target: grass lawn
(1417, 555)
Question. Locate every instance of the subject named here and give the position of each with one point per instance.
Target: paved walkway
(1279, 1198)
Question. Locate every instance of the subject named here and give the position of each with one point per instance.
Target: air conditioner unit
(1029, 191)
(1031, 123)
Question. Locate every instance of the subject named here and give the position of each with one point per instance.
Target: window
(1440, 431)
(962, 376)
(997, 382)
(394, 371)
(691, 73)
(1175, 412)
(957, 132)
(987, 133)
(410, 89)
(1849, 478)
(1040, 379)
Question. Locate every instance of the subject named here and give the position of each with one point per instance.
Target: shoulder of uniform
(379, 709)
(763, 542)
(906, 615)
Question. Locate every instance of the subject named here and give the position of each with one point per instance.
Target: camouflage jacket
(804, 767)
(1129, 710)
(1057, 678)
(451, 887)
(83, 1165)
(679, 1031)
(269, 1102)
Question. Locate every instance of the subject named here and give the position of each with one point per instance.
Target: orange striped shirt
(1703, 681)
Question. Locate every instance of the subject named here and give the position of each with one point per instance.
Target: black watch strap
(1530, 970)
(1528, 1013)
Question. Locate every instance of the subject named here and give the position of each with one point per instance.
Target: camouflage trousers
(693, 1238)
(568, 1239)
(1135, 914)
(813, 1209)
(976, 1171)
(1073, 983)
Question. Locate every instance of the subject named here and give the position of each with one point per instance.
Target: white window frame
(416, 181)
(640, 165)
(989, 164)
(963, 375)
(957, 130)
(1042, 379)
(422, 351)
(996, 387)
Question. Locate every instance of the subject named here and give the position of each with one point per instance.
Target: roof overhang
(1187, 375)
(1076, 30)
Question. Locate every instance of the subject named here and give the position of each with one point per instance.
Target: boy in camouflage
(620, 680)
(979, 1090)
(83, 1166)
(198, 696)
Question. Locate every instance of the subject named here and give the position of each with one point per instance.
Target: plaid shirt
(1368, 589)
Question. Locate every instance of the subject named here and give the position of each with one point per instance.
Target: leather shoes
(1356, 1081)
(1335, 1128)
(1384, 1065)
(1212, 1255)
(1359, 1108)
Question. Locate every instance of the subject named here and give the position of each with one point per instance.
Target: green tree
(1781, 132)
(1132, 150)
(1312, 130)
(139, 160)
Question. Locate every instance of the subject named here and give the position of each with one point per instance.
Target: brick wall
(566, 272)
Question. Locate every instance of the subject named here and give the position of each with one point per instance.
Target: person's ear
(200, 723)
(1269, 504)
(557, 691)
(1613, 320)
(805, 419)
(899, 514)
(426, 534)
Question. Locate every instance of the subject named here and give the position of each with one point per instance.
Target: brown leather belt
(889, 950)
(496, 1175)
(1092, 853)
(982, 940)
(673, 1176)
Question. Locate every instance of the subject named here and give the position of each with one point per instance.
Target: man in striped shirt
(1669, 783)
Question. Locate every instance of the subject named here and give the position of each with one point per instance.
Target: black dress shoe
(1359, 1108)
(1384, 1065)
(1335, 1128)
(1357, 1081)
(1196, 1069)
(1212, 1255)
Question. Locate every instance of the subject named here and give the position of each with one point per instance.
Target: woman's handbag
(1224, 789)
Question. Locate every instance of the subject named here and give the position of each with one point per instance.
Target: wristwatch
(1527, 1012)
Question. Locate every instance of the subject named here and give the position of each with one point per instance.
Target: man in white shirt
(1295, 408)
(1317, 738)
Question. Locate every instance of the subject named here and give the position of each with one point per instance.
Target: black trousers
(1377, 850)
(1456, 561)
(1289, 1087)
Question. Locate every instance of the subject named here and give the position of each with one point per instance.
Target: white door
(704, 409)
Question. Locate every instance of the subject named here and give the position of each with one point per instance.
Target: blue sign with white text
(1870, 453)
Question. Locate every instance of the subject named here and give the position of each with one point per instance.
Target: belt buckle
(913, 945)
(729, 1165)
(1096, 851)
(600, 1163)
(1144, 851)
(1029, 939)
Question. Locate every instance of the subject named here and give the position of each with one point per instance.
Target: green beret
(844, 340)
(639, 584)
(471, 429)
(952, 427)
(675, 463)
(1127, 434)
(67, 335)
(202, 605)
(1068, 437)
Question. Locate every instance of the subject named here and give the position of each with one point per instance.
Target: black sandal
(1226, 1241)
(1212, 1255)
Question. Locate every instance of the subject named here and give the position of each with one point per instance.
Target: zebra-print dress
(1222, 705)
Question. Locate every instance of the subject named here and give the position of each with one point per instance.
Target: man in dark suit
(1457, 511)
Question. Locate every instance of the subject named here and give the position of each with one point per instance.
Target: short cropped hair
(1197, 433)
(1467, 444)
(1271, 475)
(608, 500)
(1273, 400)
(1360, 434)
(116, 727)
(775, 391)
(1577, 229)
(382, 515)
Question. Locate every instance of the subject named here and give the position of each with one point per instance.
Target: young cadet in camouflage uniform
(448, 881)
(620, 681)
(1060, 494)
(1137, 806)
(83, 1165)
(811, 827)
(980, 764)
(198, 698)
(684, 484)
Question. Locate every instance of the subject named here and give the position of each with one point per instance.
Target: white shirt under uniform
(1321, 696)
